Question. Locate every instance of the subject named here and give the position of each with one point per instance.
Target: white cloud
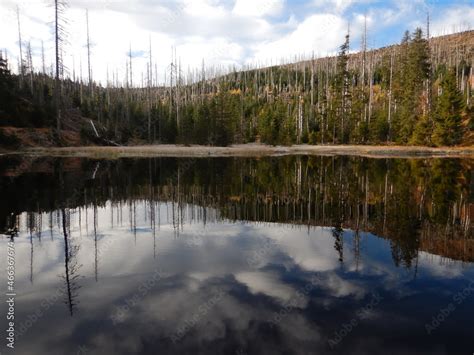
(454, 20)
(222, 32)
(203, 29)
(321, 33)
(268, 284)
(258, 8)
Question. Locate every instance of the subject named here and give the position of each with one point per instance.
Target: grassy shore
(252, 150)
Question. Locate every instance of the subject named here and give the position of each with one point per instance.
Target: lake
(275, 255)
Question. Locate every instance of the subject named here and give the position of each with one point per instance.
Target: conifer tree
(415, 66)
(342, 93)
(7, 89)
(448, 128)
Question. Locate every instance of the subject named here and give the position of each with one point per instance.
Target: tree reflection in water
(419, 204)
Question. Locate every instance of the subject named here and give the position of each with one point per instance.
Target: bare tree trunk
(299, 122)
(150, 76)
(428, 81)
(89, 70)
(80, 87)
(20, 62)
(311, 117)
(30, 66)
(42, 58)
(390, 97)
(57, 90)
(371, 84)
(178, 79)
(130, 62)
(364, 50)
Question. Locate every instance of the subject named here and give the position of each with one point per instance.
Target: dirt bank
(13, 138)
(252, 150)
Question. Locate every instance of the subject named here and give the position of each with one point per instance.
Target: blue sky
(220, 32)
(446, 16)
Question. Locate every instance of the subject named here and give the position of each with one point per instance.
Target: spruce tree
(342, 92)
(414, 70)
(8, 103)
(448, 114)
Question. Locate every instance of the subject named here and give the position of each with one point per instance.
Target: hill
(418, 92)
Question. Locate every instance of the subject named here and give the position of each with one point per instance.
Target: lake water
(283, 255)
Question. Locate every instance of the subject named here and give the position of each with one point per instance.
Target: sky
(224, 33)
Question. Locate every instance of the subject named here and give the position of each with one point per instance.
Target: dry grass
(253, 150)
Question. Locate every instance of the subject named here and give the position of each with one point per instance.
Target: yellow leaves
(378, 93)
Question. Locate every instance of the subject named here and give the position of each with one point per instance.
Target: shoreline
(248, 150)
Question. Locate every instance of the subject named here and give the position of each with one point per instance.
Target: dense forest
(419, 92)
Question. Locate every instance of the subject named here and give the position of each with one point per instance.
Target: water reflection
(241, 256)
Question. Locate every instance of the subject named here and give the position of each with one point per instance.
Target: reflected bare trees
(418, 205)
(71, 266)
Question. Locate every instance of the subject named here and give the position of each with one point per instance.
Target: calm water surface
(288, 255)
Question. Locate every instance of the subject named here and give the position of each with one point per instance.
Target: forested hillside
(417, 92)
